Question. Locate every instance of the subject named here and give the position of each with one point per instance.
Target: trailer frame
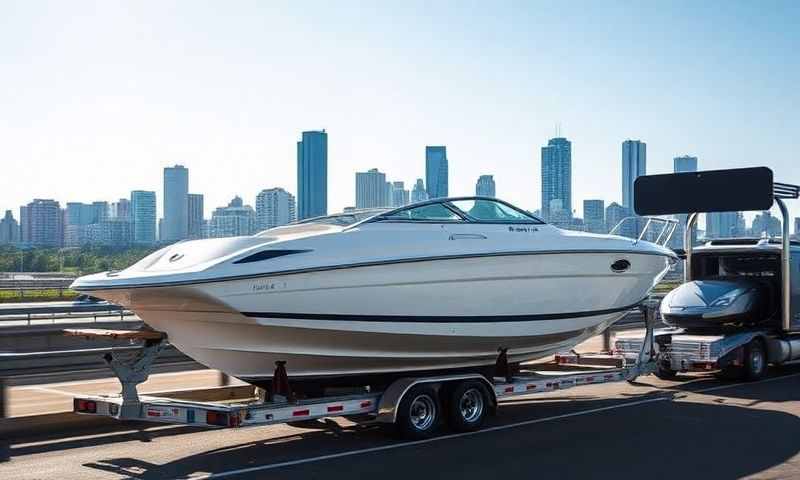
(380, 406)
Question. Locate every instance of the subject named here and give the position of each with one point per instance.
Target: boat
(440, 285)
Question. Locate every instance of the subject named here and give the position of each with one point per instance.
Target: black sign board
(708, 191)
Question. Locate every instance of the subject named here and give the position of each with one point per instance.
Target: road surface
(695, 427)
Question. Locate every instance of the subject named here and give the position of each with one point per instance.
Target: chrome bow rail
(654, 235)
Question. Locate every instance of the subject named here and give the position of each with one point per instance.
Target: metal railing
(630, 227)
(13, 314)
(74, 361)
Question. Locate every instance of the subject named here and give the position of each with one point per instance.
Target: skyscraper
(109, 233)
(557, 177)
(682, 164)
(9, 229)
(371, 191)
(766, 223)
(724, 224)
(194, 209)
(418, 194)
(400, 196)
(25, 225)
(615, 213)
(274, 207)
(594, 216)
(685, 164)
(143, 217)
(436, 171)
(176, 193)
(44, 223)
(120, 210)
(234, 220)
(485, 186)
(312, 175)
(634, 164)
(796, 225)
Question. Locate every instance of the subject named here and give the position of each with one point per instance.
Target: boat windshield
(462, 209)
(483, 210)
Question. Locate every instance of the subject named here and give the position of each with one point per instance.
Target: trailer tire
(467, 406)
(419, 413)
(755, 360)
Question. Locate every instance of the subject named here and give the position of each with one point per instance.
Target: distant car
(88, 299)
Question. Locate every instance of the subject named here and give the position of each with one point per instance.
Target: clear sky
(95, 99)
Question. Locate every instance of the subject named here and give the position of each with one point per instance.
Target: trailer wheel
(418, 415)
(467, 406)
(755, 360)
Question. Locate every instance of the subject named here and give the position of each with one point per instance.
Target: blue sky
(95, 99)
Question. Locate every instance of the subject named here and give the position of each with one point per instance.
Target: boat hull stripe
(438, 318)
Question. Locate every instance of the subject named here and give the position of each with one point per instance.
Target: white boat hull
(389, 318)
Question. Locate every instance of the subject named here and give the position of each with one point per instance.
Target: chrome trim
(786, 286)
(691, 220)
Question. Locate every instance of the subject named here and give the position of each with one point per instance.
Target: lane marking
(497, 428)
(393, 446)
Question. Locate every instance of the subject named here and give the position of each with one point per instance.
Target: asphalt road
(694, 428)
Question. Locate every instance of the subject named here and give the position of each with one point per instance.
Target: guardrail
(36, 284)
(75, 361)
(14, 313)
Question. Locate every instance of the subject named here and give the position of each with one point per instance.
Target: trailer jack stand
(280, 382)
(504, 369)
(131, 369)
(646, 360)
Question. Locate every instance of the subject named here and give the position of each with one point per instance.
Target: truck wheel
(418, 415)
(755, 360)
(467, 406)
(664, 372)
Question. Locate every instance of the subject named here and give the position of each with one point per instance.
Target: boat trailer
(416, 405)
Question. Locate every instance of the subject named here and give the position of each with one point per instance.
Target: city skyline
(119, 223)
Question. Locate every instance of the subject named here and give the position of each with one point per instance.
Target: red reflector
(301, 413)
(217, 418)
(85, 406)
(509, 389)
(335, 408)
(366, 404)
(530, 387)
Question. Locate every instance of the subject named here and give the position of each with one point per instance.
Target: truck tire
(755, 360)
(467, 406)
(419, 413)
